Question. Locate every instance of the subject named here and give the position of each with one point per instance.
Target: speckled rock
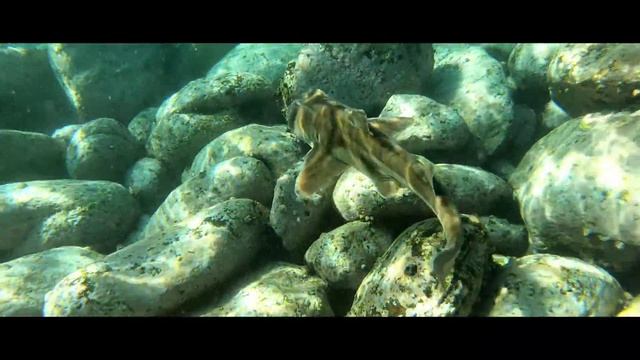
(205, 109)
(278, 289)
(30, 156)
(363, 76)
(156, 275)
(65, 133)
(475, 85)
(505, 238)
(102, 149)
(553, 116)
(212, 94)
(177, 138)
(578, 193)
(528, 64)
(632, 309)
(472, 190)
(267, 60)
(550, 285)
(142, 124)
(587, 78)
(149, 182)
(401, 284)
(40, 215)
(118, 80)
(239, 177)
(31, 98)
(344, 256)
(273, 145)
(356, 198)
(499, 51)
(433, 126)
(299, 222)
(24, 281)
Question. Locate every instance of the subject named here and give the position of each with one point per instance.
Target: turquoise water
(319, 179)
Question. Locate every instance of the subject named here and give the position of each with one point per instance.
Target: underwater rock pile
(118, 80)
(161, 180)
(157, 274)
(204, 109)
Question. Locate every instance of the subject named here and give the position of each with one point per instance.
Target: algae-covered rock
(432, 126)
(239, 177)
(587, 78)
(267, 60)
(363, 76)
(528, 64)
(401, 283)
(25, 281)
(296, 221)
(550, 285)
(154, 276)
(356, 198)
(344, 255)
(28, 156)
(578, 192)
(40, 215)
(102, 149)
(277, 289)
(119, 80)
(205, 109)
(273, 145)
(505, 238)
(473, 190)
(475, 85)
